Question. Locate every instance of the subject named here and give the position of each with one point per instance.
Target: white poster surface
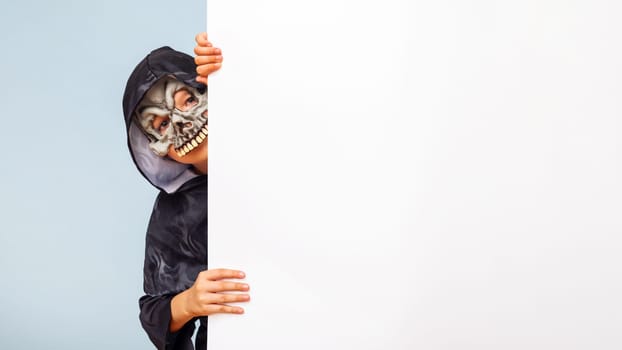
(418, 174)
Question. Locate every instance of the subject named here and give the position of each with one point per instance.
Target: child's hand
(206, 296)
(208, 58)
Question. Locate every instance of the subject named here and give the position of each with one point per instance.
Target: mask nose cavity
(181, 124)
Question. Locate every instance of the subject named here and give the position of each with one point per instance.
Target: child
(165, 108)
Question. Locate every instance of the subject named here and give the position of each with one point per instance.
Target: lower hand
(206, 297)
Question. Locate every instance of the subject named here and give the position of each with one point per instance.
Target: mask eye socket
(184, 100)
(160, 124)
(191, 101)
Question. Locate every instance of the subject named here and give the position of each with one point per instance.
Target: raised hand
(207, 57)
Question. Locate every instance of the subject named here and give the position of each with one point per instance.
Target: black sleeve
(155, 317)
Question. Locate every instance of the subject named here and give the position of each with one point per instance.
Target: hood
(162, 172)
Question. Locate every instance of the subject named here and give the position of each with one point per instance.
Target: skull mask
(184, 125)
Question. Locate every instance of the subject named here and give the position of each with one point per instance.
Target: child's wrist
(179, 305)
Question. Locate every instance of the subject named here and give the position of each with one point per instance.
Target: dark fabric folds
(156, 318)
(176, 242)
(175, 253)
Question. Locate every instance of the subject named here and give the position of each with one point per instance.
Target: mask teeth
(193, 143)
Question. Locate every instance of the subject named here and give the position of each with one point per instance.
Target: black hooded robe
(176, 241)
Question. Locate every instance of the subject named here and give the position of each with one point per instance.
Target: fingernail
(241, 274)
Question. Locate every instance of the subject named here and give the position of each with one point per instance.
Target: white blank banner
(418, 174)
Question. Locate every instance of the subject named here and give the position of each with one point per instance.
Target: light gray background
(73, 209)
(437, 174)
